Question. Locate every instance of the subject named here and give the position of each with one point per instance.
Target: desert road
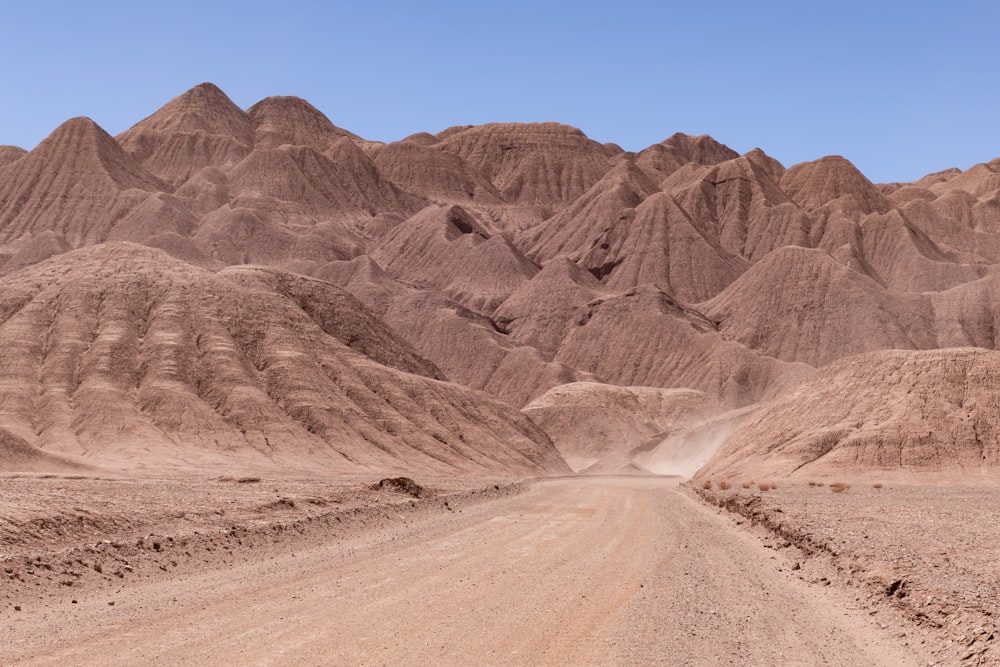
(588, 571)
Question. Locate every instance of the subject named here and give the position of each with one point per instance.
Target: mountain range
(261, 289)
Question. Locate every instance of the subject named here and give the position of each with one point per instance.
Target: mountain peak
(204, 108)
(817, 183)
(292, 120)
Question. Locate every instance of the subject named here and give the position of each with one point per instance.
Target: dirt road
(598, 571)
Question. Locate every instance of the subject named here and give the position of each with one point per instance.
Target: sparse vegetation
(724, 485)
(839, 487)
(747, 485)
(707, 484)
(764, 486)
(877, 485)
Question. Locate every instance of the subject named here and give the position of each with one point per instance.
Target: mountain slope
(121, 356)
(885, 413)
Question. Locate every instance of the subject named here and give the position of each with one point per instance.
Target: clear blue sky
(899, 88)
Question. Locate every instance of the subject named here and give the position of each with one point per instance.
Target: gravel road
(584, 571)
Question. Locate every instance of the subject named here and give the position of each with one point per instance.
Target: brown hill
(10, 153)
(740, 206)
(799, 304)
(298, 182)
(662, 159)
(467, 346)
(887, 413)
(590, 421)
(442, 176)
(447, 248)
(514, 257)
(978, 181)
(579, 228)
(906, 259)
(833, 181)
(627, 233)
(645, 337)
(197, 129)
(663, 245)
(293, 121)
(537, 163)
(120, 356)
(249, 236)
(78, 183)
(470, 350)
(541, 312)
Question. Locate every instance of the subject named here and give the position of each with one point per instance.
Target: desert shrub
(811, 483)
(707, 484)
(839, 487)
(877, 485)
(746, 485)
(763, 486)
(773, 486)
(724, 485)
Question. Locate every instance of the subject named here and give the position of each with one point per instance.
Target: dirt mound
(16, 455)
(896, 412)
(403, 485)
(978, 181)
(471, 351)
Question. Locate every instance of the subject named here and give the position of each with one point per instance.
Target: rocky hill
(263, 285)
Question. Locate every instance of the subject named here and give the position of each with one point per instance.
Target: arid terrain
(222, 327)
(584, 571)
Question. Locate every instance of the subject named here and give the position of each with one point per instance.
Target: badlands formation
(264, 288)
(219, 328)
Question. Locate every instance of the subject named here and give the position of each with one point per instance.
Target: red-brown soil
(579, 571)
(259, 293)
(920, 558)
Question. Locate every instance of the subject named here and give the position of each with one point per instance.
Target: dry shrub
(839, 487)
(763, 486)
(877, 485)
(812, 483)
(773, 486)
(746, 485)
(707, 484)
(724, 485)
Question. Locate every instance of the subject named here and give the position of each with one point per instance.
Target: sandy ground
(589, 571)
(924, 560)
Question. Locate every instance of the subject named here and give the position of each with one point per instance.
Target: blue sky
(899, 88)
